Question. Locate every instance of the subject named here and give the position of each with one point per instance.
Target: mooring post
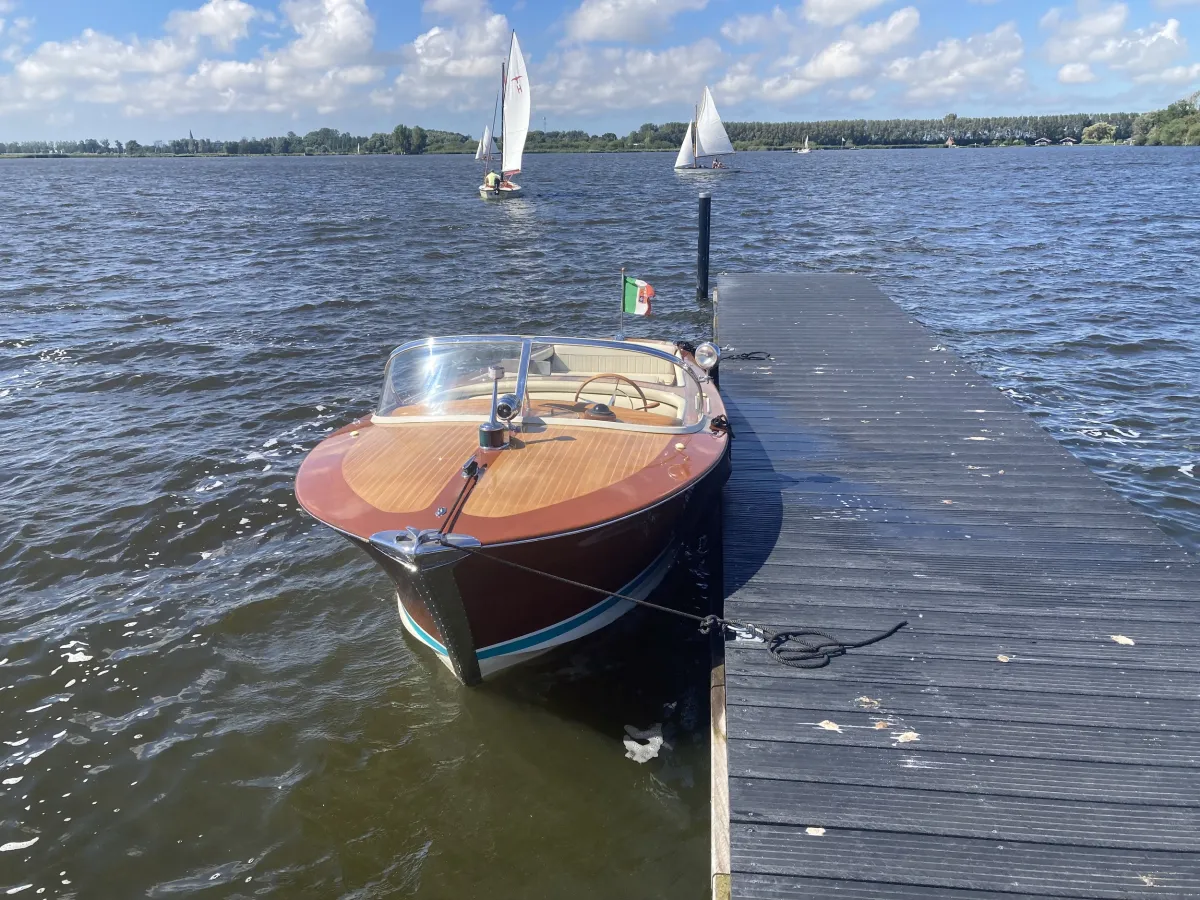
(702, 240)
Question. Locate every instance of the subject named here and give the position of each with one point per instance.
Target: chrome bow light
(707, 355)
(507, 406)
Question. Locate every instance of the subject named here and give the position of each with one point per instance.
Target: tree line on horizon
(1178, 124)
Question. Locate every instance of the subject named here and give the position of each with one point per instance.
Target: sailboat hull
(505, 191)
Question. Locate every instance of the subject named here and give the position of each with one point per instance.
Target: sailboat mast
(503, 137)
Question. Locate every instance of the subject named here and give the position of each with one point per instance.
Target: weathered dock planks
(1010, 741)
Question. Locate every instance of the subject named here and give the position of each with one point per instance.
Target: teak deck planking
(1010, 741)
(403, 467)
(551, 465)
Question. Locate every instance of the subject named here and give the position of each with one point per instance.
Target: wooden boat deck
(403, 468)
(1034, 732)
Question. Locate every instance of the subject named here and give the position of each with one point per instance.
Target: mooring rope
(749, 356)
(806, 654)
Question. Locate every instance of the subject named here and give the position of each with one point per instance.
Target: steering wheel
(617, 378)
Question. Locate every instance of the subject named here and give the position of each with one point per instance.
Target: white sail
(806, 142)
(487, 145)
(516, 109)
(711, 139)
(686, 158)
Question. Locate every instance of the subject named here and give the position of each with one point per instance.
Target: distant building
(1068, 142)
(1042, 142)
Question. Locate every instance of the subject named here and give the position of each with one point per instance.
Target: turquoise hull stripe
(532, 640)
(529, 641)
(516, 645)
(421, 632)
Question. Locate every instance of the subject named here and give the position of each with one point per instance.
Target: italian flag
(637, 297)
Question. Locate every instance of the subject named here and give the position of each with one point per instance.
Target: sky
(150, 69)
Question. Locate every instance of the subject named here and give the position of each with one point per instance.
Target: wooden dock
(1035, 730)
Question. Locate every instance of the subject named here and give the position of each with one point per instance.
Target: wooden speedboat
(573, 457)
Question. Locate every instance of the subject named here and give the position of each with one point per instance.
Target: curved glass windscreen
(565, 381)
(448, 378)
(599, 382)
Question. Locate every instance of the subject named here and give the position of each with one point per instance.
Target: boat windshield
(556, 381)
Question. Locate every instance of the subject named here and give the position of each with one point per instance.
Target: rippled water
(201, 690)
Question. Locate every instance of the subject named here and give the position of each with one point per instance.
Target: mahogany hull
(481, 616)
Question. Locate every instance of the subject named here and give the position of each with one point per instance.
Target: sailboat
(514, 123)
(805, 148)
(705, 141)
(487, 146)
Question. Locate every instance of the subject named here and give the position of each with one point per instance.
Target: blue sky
(150, 69)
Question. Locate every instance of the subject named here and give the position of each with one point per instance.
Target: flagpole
(620, 335)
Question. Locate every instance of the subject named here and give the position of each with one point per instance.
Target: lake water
(201, 690)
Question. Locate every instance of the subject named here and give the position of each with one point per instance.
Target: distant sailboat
(487, 146)
(514, 124)
(805, 148)
(706, 140)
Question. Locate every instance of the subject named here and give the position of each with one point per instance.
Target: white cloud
(862, 92)
(330, 32)
(224, 22)
(612, 78)
(851, 55)
(328, 60)
(881, 36)
(1177, 75)
(955, 69)
(1076, 73)
(840, 59)
(625, 20)
(452, 63)
(757, 29)
(837, 12)
(16, 35)
(1098, 34)
(739, 82)
(94, 57)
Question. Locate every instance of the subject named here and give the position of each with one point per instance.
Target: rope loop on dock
(749, 356)
(794, 648)
(799, 650)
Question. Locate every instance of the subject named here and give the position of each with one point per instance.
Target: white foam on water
(18, 845)
(79, 656)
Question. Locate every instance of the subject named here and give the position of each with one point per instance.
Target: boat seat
(581, 360)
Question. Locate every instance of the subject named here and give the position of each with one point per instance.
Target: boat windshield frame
(698, 378)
